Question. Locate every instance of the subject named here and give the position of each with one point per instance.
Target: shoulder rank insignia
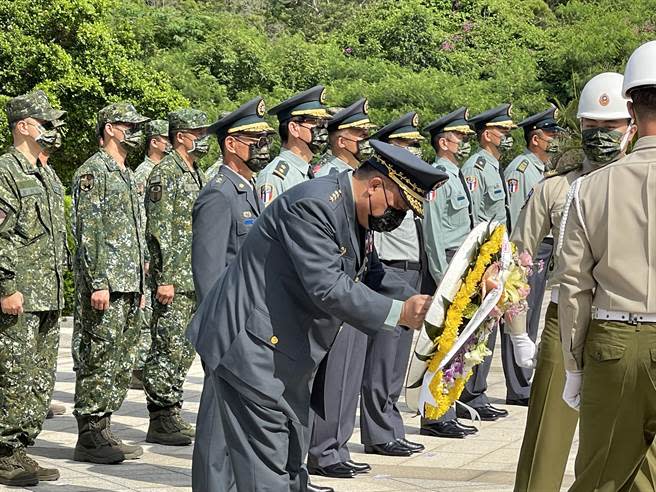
(335, 195)
(513, 185)
(522, 166)
(218, 179)
(480, 163)
(86, 182)
(281, 170)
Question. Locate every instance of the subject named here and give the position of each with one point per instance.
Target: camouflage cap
(187, 119)
(32, 105)
(120, 113)
(156, 127)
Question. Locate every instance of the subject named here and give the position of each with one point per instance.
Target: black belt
(403, 265)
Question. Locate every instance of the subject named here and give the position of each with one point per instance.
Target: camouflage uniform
(32, 259)
(213, 170)
(172, 191)
(141, 174)
(110, 255)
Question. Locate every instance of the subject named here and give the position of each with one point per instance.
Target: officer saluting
(608, 262)
(223, 214)
(303, 133)
(281, 301)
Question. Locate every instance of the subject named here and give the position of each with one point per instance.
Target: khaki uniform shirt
(280, 174)
(608, 258)
(521, 175)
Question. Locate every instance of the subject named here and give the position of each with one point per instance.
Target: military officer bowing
(281, 302)
(223, 214)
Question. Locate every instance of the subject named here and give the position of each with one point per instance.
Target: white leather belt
(554, 295)
(632, 318)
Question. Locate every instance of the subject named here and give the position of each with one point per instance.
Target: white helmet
(602, 98)
(640, 69)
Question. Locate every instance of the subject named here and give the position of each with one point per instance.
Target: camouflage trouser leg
(171, 354)
(143, 345)
(25, 375)
(106, 353)
(77, 332)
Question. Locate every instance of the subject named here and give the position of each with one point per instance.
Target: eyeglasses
(314, 122)
(258, 143)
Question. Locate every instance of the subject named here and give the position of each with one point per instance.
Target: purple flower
(348, 51)
(468, 26)
(447, 46)
(457, 38)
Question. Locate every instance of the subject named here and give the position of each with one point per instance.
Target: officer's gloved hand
(525, 350)
(572, 391)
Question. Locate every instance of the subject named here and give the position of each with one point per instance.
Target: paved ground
(485, 462)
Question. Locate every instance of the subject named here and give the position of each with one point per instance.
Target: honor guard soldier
(173, 187)
(224, 213)
(348, 137)
(447, 223)
(157, 146)
(551, 423)
(307, 266)
(541, 132)
(388, 354)
(109, 279)
(303, 133)
(32, 262)
(488, 195)
(607, 261)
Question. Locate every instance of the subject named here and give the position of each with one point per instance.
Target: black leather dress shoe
(415, 447)
(469, 429)
(520, 402)
(487, 413)
(338, 470)
(358, 467)
(318, 488)
(448, 429)
(392, 448)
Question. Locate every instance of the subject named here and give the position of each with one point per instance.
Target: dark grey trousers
(386, 362)
(211, 470)
(345, 366)
(517, 378)
(265, 447)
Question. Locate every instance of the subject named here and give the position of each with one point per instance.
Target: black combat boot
(94, 442)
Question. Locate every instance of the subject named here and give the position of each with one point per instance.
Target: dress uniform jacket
(331, 164)
(281, 302)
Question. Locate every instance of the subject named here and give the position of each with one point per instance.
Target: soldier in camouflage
(157, 146)
(31, 286)
(109, 279)
(172, 190)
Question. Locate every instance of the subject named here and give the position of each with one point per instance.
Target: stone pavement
(485, 462)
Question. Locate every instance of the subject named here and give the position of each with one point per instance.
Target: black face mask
(390, 220)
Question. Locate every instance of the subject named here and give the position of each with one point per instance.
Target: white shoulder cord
(572, 196)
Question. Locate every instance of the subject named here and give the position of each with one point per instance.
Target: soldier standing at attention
(348, 136)
(31, 287)
(223, 214)
(172, 189)
(109, 280)
(388, 353)
(488, 197)
(550, 424)
(447, 223)
(608, 261)
(344, 366)
(157, 145)
(303, 133)
(541, 133)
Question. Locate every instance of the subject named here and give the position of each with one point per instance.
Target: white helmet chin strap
(627, 136)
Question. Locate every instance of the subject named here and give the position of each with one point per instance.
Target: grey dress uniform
(283, 172)
(279, 305)
(607, 261)
(224, 213)
(332, 164)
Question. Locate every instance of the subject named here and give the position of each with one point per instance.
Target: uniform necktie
(471, 209)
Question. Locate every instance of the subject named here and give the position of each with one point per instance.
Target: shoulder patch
(522, 166)
(512, 185)
(267, 193)
(472, 183)
(480, 163)
(281, 170)
(155, 192)
(87, 182)
(155, 179)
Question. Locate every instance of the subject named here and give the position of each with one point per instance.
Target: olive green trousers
(618, 408)
(551, 423)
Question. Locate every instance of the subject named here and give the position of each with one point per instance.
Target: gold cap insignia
(604, 100)
(365, 106)
(261, 108)
(467, 113)
(322, 97)
(510, 110)
(415, 120)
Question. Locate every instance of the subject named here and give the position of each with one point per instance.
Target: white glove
(572, 391)
(524, 350)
